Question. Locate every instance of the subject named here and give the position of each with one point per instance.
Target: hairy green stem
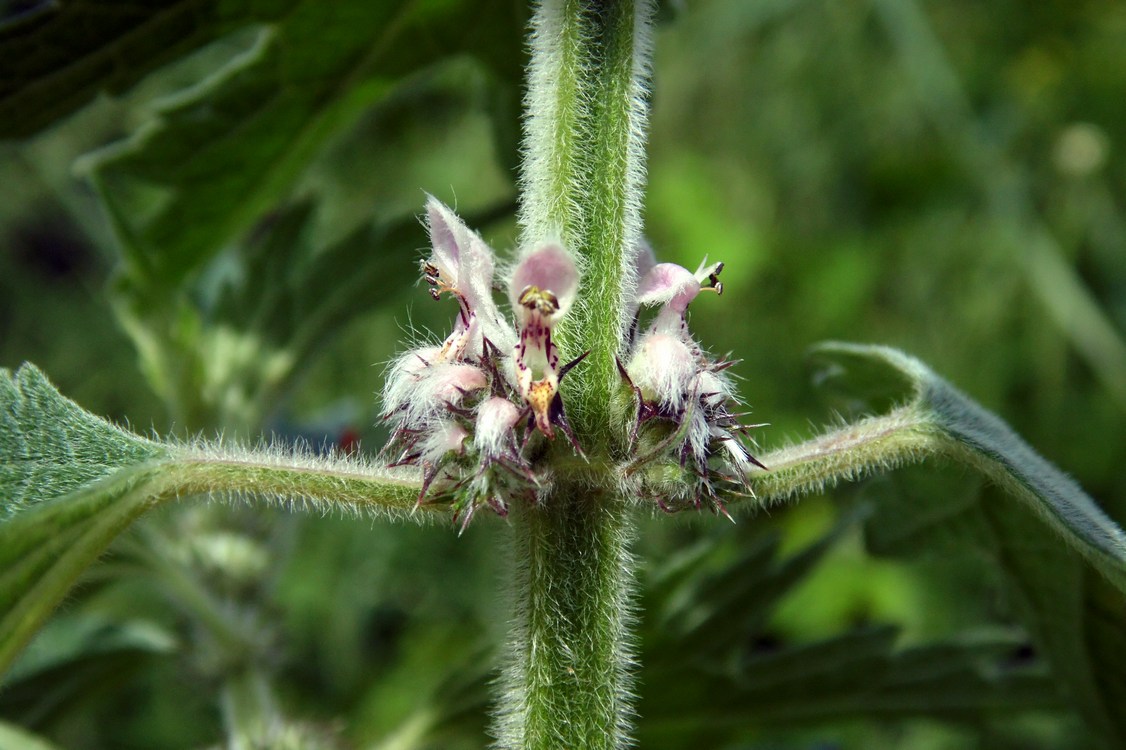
(567, 684)
(45, 548)
(583, 176)
(567, 681)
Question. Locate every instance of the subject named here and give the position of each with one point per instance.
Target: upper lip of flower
(674, 286)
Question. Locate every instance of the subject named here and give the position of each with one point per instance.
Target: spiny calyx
(684, 397)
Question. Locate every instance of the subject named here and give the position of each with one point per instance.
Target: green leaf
(729, 671)
(223, 153)
(1045, 534)
(50, 447)
(939, 421)
(59, 55)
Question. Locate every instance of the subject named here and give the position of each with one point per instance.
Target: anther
(541, 300)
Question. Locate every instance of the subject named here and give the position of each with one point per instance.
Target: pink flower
(542, 288)
(666, 359)
(461, 404)
(464, 411)
(678, 383)
(461, 265)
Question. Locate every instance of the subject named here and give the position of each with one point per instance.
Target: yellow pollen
(541, 300)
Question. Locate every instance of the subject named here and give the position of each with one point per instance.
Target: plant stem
(249, 711)
(567, 681)
(583, 176)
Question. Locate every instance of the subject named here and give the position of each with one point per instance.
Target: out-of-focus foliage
(942, 177)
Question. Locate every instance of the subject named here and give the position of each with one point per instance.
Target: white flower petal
(663, 367)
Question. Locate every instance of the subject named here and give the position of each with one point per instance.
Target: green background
(945, 178)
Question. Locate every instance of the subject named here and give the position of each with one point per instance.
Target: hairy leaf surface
(71, 483)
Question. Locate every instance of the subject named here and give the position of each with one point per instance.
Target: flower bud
(446, 438)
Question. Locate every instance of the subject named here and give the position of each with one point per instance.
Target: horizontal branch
(939, 421)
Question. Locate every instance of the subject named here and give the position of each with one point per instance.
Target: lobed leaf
(72, 482)
(727, 670)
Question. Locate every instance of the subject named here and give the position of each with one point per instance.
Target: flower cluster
(683, 396)
(464, 411)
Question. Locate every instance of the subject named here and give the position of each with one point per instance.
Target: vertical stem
(583, 176)
(249, 712)
(567, 681)
(567, 684)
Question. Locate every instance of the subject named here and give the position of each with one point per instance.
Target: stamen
(542, 301)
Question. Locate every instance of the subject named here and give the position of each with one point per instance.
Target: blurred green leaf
(58, 55)
(1103, 615)
(729, 670)
(291, 296)
(728, 604)
(111, 478)
(76, 655)
(221, 154)
(75, 637)
(1046, 580)
(14, 738)
(235, 346)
